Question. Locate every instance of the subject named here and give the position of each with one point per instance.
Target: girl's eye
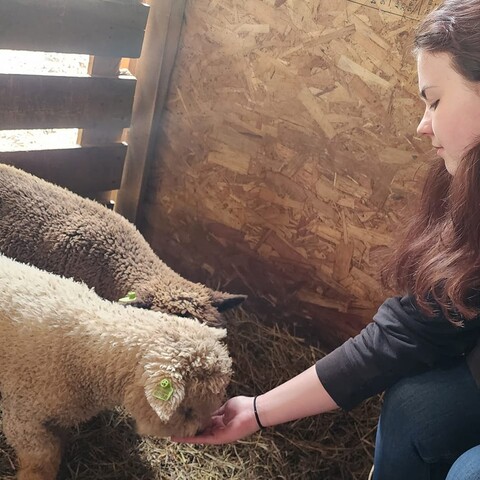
(434, 105)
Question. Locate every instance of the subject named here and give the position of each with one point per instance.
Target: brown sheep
(63, 233)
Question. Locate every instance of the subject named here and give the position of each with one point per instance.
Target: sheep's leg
(38, 449)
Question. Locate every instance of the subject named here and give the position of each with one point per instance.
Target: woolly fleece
(66, 354)
(63, 233)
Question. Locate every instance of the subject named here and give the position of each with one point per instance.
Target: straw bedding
(335, 446)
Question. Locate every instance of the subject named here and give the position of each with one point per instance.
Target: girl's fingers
(220, 411)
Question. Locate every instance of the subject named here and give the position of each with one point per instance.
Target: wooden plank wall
(81, 169)
(101, 103)
(288, 154)
(68, 26)
(44, 101)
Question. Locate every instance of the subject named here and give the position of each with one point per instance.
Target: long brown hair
(438, 260)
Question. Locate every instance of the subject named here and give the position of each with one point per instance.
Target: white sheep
(66, 354)
(63, 233)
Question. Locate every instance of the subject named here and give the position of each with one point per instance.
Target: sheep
(63, 233)
(66, 354)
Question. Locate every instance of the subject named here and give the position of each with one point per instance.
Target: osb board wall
(288, 155)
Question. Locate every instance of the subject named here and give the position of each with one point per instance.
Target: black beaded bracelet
(256, 413)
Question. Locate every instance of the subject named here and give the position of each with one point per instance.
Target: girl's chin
(450, 166)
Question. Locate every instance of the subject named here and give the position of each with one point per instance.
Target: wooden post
(153, 72)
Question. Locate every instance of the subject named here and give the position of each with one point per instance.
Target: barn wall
(288, 156)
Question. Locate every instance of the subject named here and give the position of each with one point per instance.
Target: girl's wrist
(260, 425)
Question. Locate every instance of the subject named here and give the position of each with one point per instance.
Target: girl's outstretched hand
(232, 421)
(299, 397)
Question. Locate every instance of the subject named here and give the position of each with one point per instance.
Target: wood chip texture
(288, 157)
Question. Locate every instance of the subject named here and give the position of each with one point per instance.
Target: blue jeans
(467, 466)
(428, 421)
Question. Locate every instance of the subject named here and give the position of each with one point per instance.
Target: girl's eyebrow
(422, 92)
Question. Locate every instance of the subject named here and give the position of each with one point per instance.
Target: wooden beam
(80, 169)
(96, 27)
(42, 101)
(153, 71)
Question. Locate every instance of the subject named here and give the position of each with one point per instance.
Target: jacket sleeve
(399, 342)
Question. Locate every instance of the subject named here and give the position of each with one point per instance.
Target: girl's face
(452, 108)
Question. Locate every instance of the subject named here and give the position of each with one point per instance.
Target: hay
(335, 445)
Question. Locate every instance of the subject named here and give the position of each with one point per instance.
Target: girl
(421, 346)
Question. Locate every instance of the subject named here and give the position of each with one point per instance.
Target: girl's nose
(425, 125)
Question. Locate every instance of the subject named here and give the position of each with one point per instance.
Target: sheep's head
(186, 299)
(182, 383)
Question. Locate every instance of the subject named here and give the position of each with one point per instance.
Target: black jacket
(400, 341)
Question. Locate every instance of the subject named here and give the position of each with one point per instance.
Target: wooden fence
(112, 29)
(101, 104)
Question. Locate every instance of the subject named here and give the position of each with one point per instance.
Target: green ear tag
(129, 298)
(164, 390)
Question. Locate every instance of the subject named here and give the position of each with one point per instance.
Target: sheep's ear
(225, 301)
(165, 396)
